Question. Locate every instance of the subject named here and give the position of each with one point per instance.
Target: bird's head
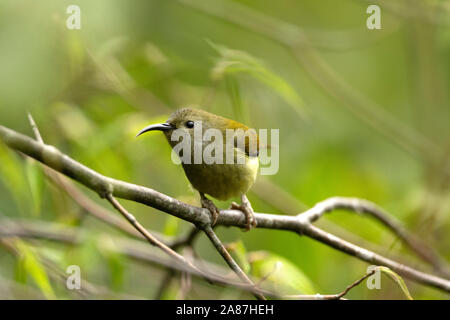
(187, 119)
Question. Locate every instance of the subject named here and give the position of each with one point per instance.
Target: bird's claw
(208, 204)
(246, 208)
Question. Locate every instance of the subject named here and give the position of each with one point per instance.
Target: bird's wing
(246, 139)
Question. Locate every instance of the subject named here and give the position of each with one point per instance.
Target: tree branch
(362, 206)
(200, 217)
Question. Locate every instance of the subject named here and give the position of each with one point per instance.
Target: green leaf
(20, 274)
(36, 182)
(239, 253)
(12, 173)
(171, 226)
(281, 273)
(74, 122)
(171, 291)
(76, 54)
(236, 61)
(87, 255)
(232, 87)
(399, 280)
(116, 266)
(29, 264)
(116, 262)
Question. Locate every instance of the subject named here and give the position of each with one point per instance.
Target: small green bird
(221, 180)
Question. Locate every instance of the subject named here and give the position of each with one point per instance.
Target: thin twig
(183, 241)
(276, 266)
(147, 235)
(337, 296)
(186, 240)
(229, 259)
(173, 253)
(185, 278)
(354, 284)
(87, 290)
(35, 129)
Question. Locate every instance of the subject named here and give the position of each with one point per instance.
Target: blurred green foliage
(133, 63)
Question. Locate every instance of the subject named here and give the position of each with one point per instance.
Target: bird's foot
(246, 208)
(208, 204)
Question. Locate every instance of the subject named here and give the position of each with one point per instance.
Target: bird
(224, 179)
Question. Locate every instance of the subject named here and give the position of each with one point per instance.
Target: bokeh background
(362, 113)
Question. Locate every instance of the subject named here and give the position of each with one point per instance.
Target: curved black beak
(159, 126)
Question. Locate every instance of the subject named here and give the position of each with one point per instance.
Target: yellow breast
(223, 181)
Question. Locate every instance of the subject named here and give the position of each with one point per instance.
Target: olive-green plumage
(219, 180)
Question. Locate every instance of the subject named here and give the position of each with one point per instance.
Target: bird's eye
(189, 124)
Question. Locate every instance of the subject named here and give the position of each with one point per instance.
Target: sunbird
(221, 179)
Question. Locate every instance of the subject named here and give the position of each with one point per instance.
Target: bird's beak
(159, 126)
